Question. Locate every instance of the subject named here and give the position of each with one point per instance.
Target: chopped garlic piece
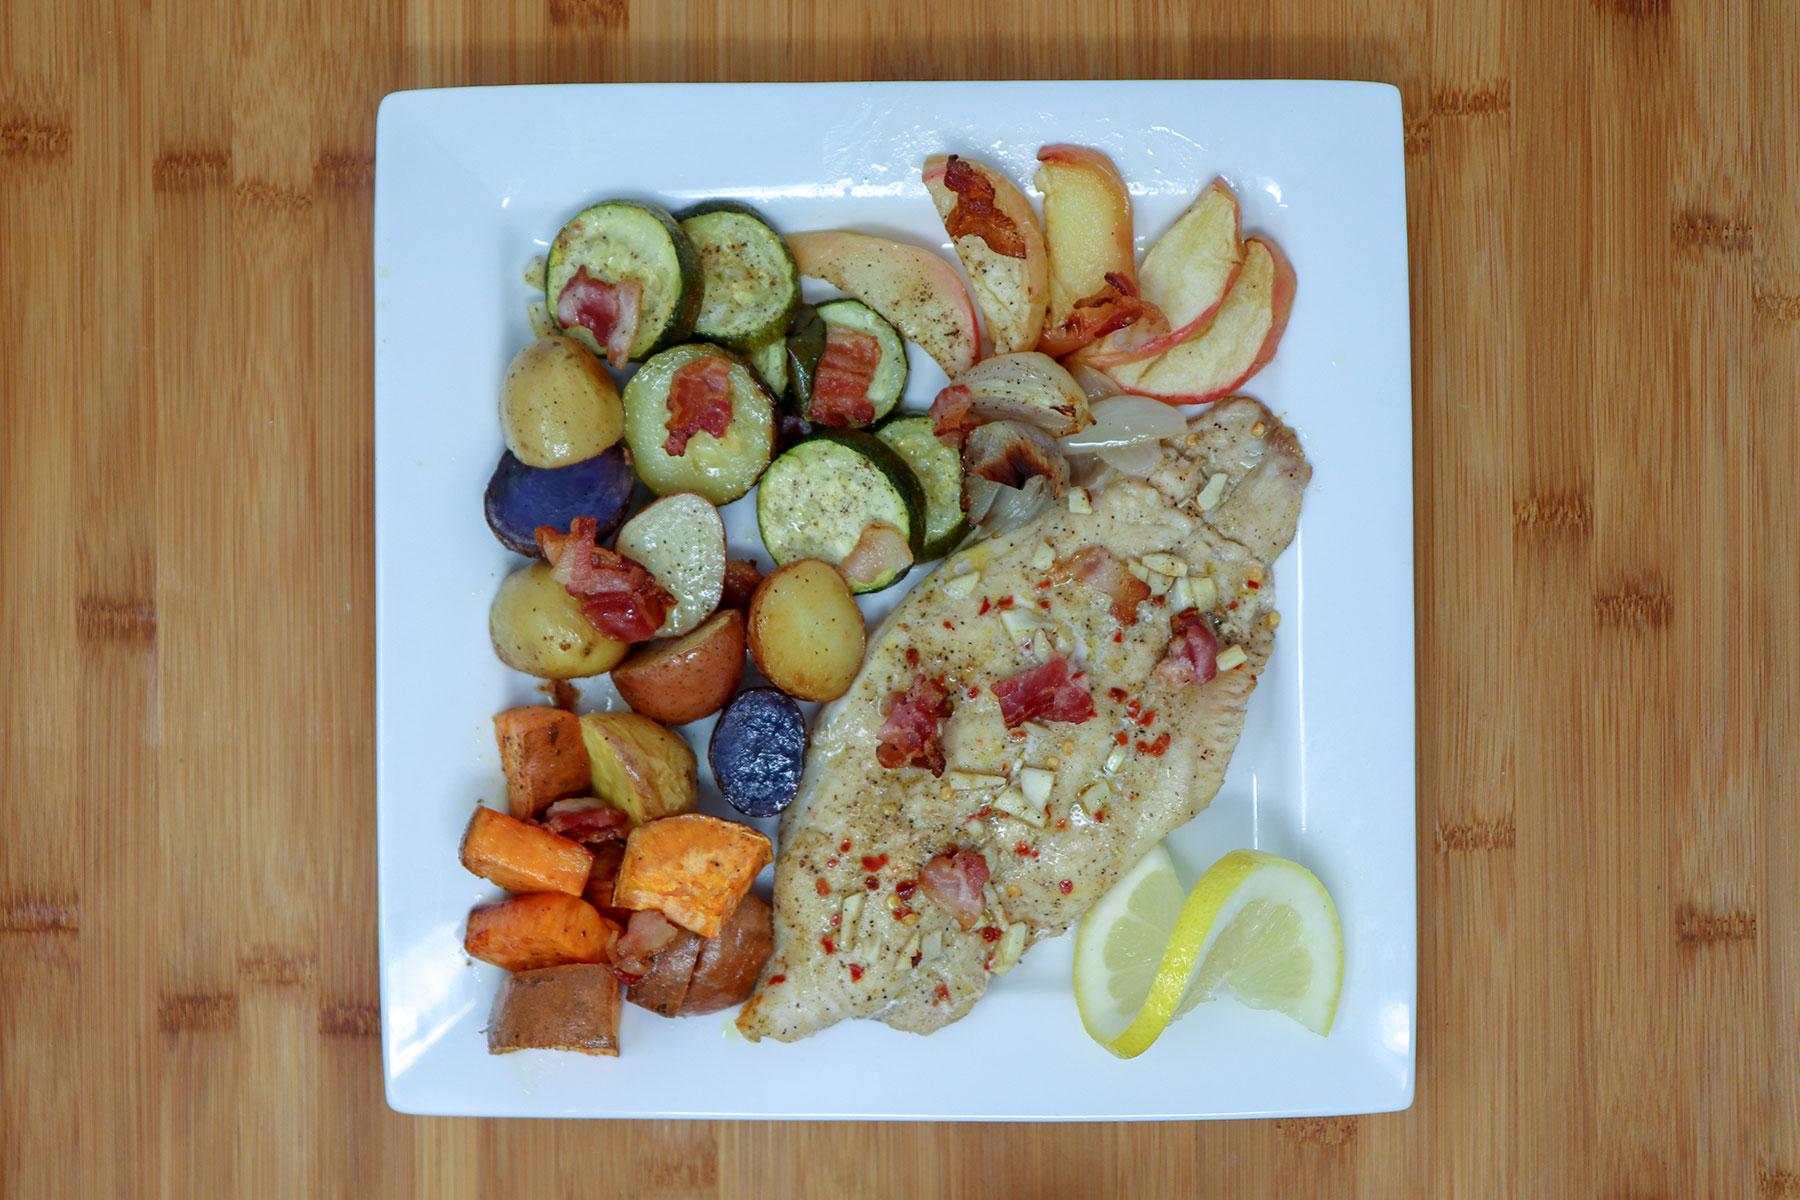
(1210, 494)
(1138, 569)
(1036, 782)
(989, 897)
(1168, 564)
(914, 945)
(962, 585)
(1253, 573)
(1203, 593)
(852, 911)
(971, 781)
(975, 829)
(1159, 583)
(1115, 760)
(1096, 794)
(1014, 803)
(1274, 618)
(1080, 502)
(1012, 945)
(1036, 730)
(932, 945)
(1231, 658)
(1181, 595)
(1020, 625)
(1043, 557)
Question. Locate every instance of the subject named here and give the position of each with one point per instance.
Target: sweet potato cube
(521, 857)
(543, 756)
(544, 929)
(575, 1007)
(693, 868)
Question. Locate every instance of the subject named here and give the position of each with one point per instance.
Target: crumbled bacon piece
(976, 213)
(619, 597)
(609, 311)
(954, 881)
(1115, 306)
(586, 820)
(1193, 653)
(953, 414)
(1049, 692)
(648, 934)
(909, 736)
(841, 387)
(1100, 568)
(741, 579)
(881, 552)
(699, 400)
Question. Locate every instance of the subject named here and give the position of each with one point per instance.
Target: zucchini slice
(816, 499)
(720, 468)
(752, 286)
(838, 338)
(771, 362)
(938, 468)
(624, 243)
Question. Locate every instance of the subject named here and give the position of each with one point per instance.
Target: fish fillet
(858, 829)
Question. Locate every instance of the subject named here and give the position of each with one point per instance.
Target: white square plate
(471, 183)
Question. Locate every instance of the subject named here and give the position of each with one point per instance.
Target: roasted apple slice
(996, 235)
(1087, 228)
(916, 291)
(1239, 341)
(1185, 275)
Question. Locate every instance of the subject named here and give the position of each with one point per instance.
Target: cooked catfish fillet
(881, 909)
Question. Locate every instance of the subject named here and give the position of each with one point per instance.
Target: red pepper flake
(1158, 601)
(1044, 604)
(1252, 585)
(974, 692)
(775, 979)
(830, 946)
(1119, 695)
(942, 993)
(917, 958)
(1025, 849)
(831, 862)
(1062, 823)
(844, 846)
(949, 624)
(905, 888)
(1100, 816)
(855, 972)
(871, 883)
(1042, 583)
(990, 933)
(982, 611)
(901, 912)
(824, 888)
(1233, 604)
(912, 656)
(837, 919)
(1065, 886)
(988, 963)
(874, 862)
(1119, 637)
(1123, 738)
(984, 811)
(1161, 744)
(1004, 602)
(1018, 735)
(1146, 717)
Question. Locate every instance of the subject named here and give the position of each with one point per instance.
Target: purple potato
(520, 498)
(757, 749)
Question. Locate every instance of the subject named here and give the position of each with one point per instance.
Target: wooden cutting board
(1604, 202)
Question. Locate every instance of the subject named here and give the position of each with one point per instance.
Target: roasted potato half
(639, 766)
(686, 678)
(537, 628)
(558, 405)
(805, 631)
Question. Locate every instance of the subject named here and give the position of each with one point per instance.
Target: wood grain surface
(1604, 204)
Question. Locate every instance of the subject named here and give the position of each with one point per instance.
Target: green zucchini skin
(938, 469)
(771, 362)
(751, 283)
(720, 469)
(806, 346)
(621, 240)
(817, 497)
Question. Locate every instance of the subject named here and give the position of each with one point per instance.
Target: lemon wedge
(1256, 928)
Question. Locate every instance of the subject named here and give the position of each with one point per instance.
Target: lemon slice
(1256, 927)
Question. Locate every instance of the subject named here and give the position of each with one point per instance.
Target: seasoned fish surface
(856, 935)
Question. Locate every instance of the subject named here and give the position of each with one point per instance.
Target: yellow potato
(558, 405)
(639, 766)
(537, 628)
(686, 678)
(806, 633)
